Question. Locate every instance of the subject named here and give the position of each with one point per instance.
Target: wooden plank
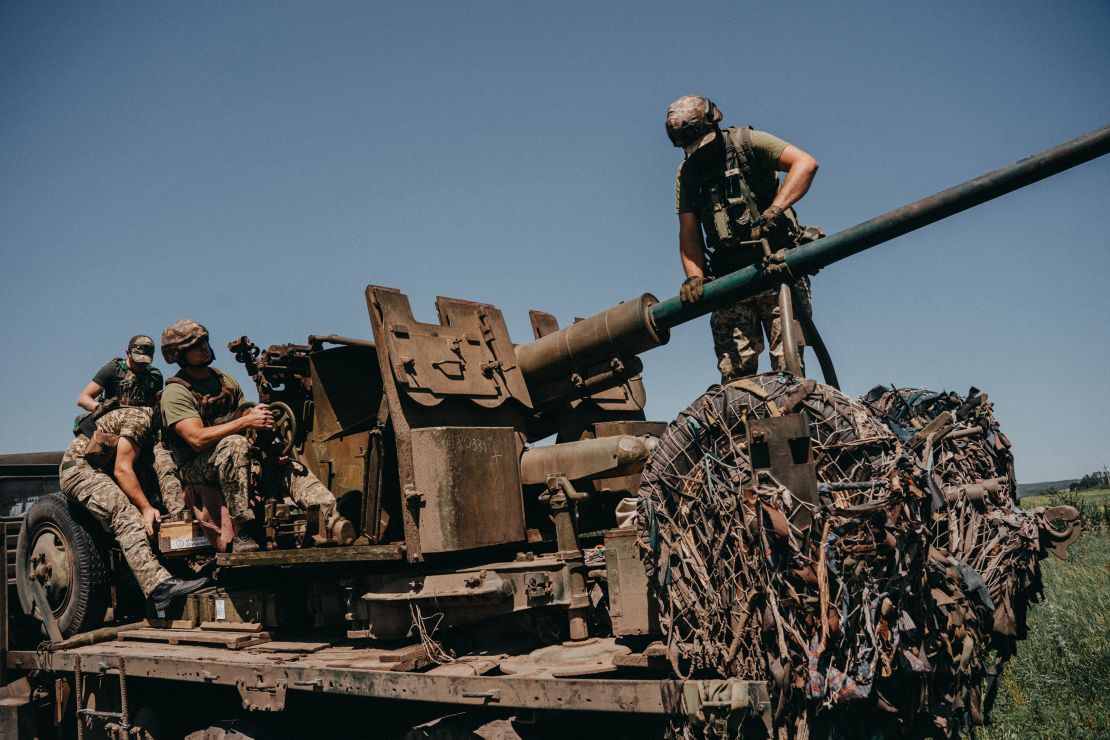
(232, 626)
(229, 640)
(407, 658)
(291, 647)
(332, 555)
(171, 624)
(44, 611)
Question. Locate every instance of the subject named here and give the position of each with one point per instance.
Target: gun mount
(473, 538)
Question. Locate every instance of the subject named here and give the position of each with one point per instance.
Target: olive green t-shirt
(767, 149)
(178, 403)
(132, 389)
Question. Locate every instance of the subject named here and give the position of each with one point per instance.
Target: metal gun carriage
(486, 568)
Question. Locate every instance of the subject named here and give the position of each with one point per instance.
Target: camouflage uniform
(227, 464)
(141, 389)
(738, 331)
(169, 483)
(101, 496)
(734, 169)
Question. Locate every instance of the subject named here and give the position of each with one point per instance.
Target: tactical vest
(133, 389)
(214, 408)
(727, 206)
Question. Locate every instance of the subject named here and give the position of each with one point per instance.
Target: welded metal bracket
(724, 704)
(261, 697)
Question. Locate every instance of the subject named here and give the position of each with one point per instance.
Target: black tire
(79, 597)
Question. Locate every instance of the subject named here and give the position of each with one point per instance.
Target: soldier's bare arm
(200, 437)
(124, 475)
(800, 169)
(87, 399)
(690, 247)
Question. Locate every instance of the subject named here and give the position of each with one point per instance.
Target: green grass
(1094, 496)
(1058, 686)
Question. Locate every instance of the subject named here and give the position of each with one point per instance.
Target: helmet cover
(181, 336)
(692, 122)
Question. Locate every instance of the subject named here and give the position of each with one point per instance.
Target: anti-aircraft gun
(475, 543)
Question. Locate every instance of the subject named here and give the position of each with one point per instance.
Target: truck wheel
(55, 548)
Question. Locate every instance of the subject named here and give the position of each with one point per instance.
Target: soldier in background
(133, 381)
(728, 187)
(100, 474)
(204, 417)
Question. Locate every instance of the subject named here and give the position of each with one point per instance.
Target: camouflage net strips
(889, 603)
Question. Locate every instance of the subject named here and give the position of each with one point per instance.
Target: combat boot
(243, 542)
(166, 591)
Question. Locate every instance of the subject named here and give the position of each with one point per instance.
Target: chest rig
(133, 389)
(214, 407)
(728, 204)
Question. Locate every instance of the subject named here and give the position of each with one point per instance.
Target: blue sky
(254, 165)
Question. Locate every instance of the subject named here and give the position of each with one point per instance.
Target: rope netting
(898, 592)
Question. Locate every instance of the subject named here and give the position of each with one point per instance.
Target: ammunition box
(276, 607)
(176, 539)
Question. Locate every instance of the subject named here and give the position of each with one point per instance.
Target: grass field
(1096, 496)
(1058, 686)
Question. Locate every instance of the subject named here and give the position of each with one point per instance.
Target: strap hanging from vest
(739, 163)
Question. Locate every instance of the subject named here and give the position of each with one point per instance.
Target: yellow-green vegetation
(1096, 496)
(1058, 686)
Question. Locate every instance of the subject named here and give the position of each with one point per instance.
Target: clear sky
(254, 165)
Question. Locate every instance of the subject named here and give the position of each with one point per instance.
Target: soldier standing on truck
(728, 187)
(133, 381)
(204, 416)
(98, 472)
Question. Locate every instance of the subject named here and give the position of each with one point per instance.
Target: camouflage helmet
(692, 122)
(181, 336)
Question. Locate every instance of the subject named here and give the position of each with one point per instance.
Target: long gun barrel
(809, 258)
(575, 354)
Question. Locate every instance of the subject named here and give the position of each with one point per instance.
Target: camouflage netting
(895, 607)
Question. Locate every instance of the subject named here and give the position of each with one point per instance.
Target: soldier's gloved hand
(772, 224)
(691, 289)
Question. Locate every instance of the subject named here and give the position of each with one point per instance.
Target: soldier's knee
(235, 443)
(232, 450)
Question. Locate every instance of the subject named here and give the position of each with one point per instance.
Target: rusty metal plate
(631, 610)
(781, 446)
(583, 658)
(468, 354)
(466, 487)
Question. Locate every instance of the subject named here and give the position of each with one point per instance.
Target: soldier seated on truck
(204, 416)
(133, 381)
(101, 472)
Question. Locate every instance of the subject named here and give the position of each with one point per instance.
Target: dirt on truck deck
(277, 676)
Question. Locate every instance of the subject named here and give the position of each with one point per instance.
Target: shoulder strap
(188, 384)
(747, 154)
(739, 164)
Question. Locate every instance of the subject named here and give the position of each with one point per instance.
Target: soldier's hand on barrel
(260, 417)
(691, 289)
(151, 516)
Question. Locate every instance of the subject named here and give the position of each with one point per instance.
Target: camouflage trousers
(109, 505)
(738, 331)
(173, 498)
(228, 466)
